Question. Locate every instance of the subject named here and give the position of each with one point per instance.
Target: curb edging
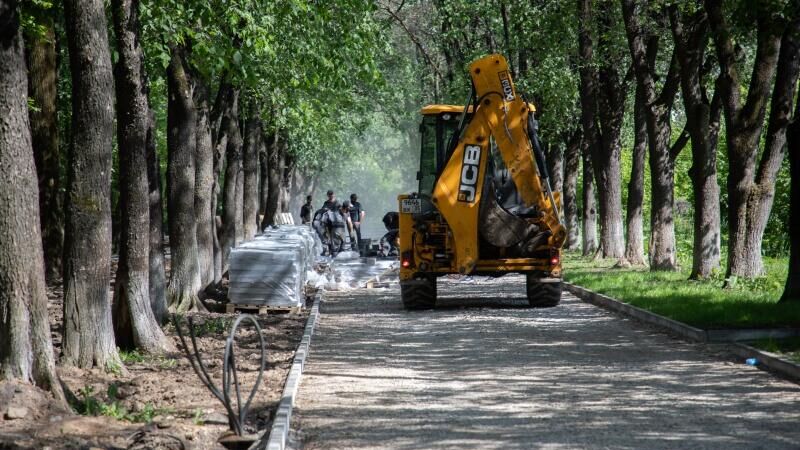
(279, 432)
(766, 359)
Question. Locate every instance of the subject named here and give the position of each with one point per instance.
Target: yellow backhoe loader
(484, 204)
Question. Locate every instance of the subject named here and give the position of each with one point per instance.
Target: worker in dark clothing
(356, 215)
(335, 226)
(306, 211)
(331, 202)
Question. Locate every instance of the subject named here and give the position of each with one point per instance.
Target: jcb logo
(469, 173)
(505, 81)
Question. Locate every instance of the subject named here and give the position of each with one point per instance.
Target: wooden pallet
(262, 309)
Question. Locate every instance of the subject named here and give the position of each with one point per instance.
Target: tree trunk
(555, 166)
(88, 330)
(634, 247)
(570, 195)
(589, 216)
(791, 292)
(289, 166)
(26, 351)
(158, 280)
(750, 199)
(42, 88)
(702, 121)
(275, 161)
(263, 180)
(135, 326)
(250, 166)
(232, 216)
(658, 107)
(184, 281)
(612, 93)
(204, 187)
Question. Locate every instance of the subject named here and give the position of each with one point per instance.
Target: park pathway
(494, 374)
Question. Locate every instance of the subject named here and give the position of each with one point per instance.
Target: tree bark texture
(263, 188)
(42, 88)
(184, 281)
(589, 214)
(658, 107)
(204, 186)
(135, 326)
(250, 201)
(158, 280)
(750, 194)
(26, 351)
(88, 330)
(289, 170)
(590, 138)
(690, 35)
(275, 162)
(572, 165)
(791, 292)
(634, 246)
(232, 214)
(555, 166)
(612, 92)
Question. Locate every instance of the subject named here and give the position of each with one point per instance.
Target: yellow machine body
(448, 240)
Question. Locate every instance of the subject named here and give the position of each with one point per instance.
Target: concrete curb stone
(277, 437)
(765, 359)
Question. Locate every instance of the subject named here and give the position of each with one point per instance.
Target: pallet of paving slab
(261, 309)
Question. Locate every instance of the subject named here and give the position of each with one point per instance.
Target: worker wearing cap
(356, 215)
(331, 202)
(306, 211)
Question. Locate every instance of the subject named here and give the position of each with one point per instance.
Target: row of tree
(610, 74)
(244, 96)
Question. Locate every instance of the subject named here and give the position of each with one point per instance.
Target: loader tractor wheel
(542, 294)
(419, 293)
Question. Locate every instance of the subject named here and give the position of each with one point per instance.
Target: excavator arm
(461, 193)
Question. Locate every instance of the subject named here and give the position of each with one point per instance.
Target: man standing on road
(306, 211)
(331, 202)
(356, 214)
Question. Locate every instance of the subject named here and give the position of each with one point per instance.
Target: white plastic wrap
(270, 271)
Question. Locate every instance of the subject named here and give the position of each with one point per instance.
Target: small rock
(215, 419)
(126, 391)
(18, 390)
(16, 412)
(189, 436)
(163, 424)
(55, 418)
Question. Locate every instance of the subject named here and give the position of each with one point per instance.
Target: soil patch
(154, 401)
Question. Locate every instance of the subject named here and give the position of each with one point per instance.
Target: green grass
(788, 348)
(88, 404)
(703, 304)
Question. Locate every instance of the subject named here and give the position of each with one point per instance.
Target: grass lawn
(788, 348)
(703, 304)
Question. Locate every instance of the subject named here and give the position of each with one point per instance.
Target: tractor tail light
(407, 260)
(554, 261)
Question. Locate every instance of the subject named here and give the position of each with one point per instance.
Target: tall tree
(634, 221)
(658, 108)
(88, 329)
(26, 351)
(184, 281)
(690, 35)
(791, 292)
(250, 166)
(232, 214)
(158, 278)
(42, 89)
(590, 135)
(204, 184)
(275, 162)
(572, 162)
(135, 326)
(749, 195)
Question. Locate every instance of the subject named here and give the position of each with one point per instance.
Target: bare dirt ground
(484, 371)
(157, 402)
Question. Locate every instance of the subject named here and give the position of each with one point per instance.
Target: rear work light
(407, 260)
(554, 261)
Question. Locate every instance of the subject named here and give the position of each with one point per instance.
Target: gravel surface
(483, 371)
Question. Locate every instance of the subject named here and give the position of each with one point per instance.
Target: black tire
(542, 294)
(419, 293)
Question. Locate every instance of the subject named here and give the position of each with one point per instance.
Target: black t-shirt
(355, 211)
(329, 204)
(305, 212)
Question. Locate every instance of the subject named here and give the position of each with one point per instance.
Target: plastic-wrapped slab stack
(268, 272)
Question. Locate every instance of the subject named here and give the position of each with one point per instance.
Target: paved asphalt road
(485, 372)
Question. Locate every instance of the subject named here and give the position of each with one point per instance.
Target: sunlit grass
(704, 304)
